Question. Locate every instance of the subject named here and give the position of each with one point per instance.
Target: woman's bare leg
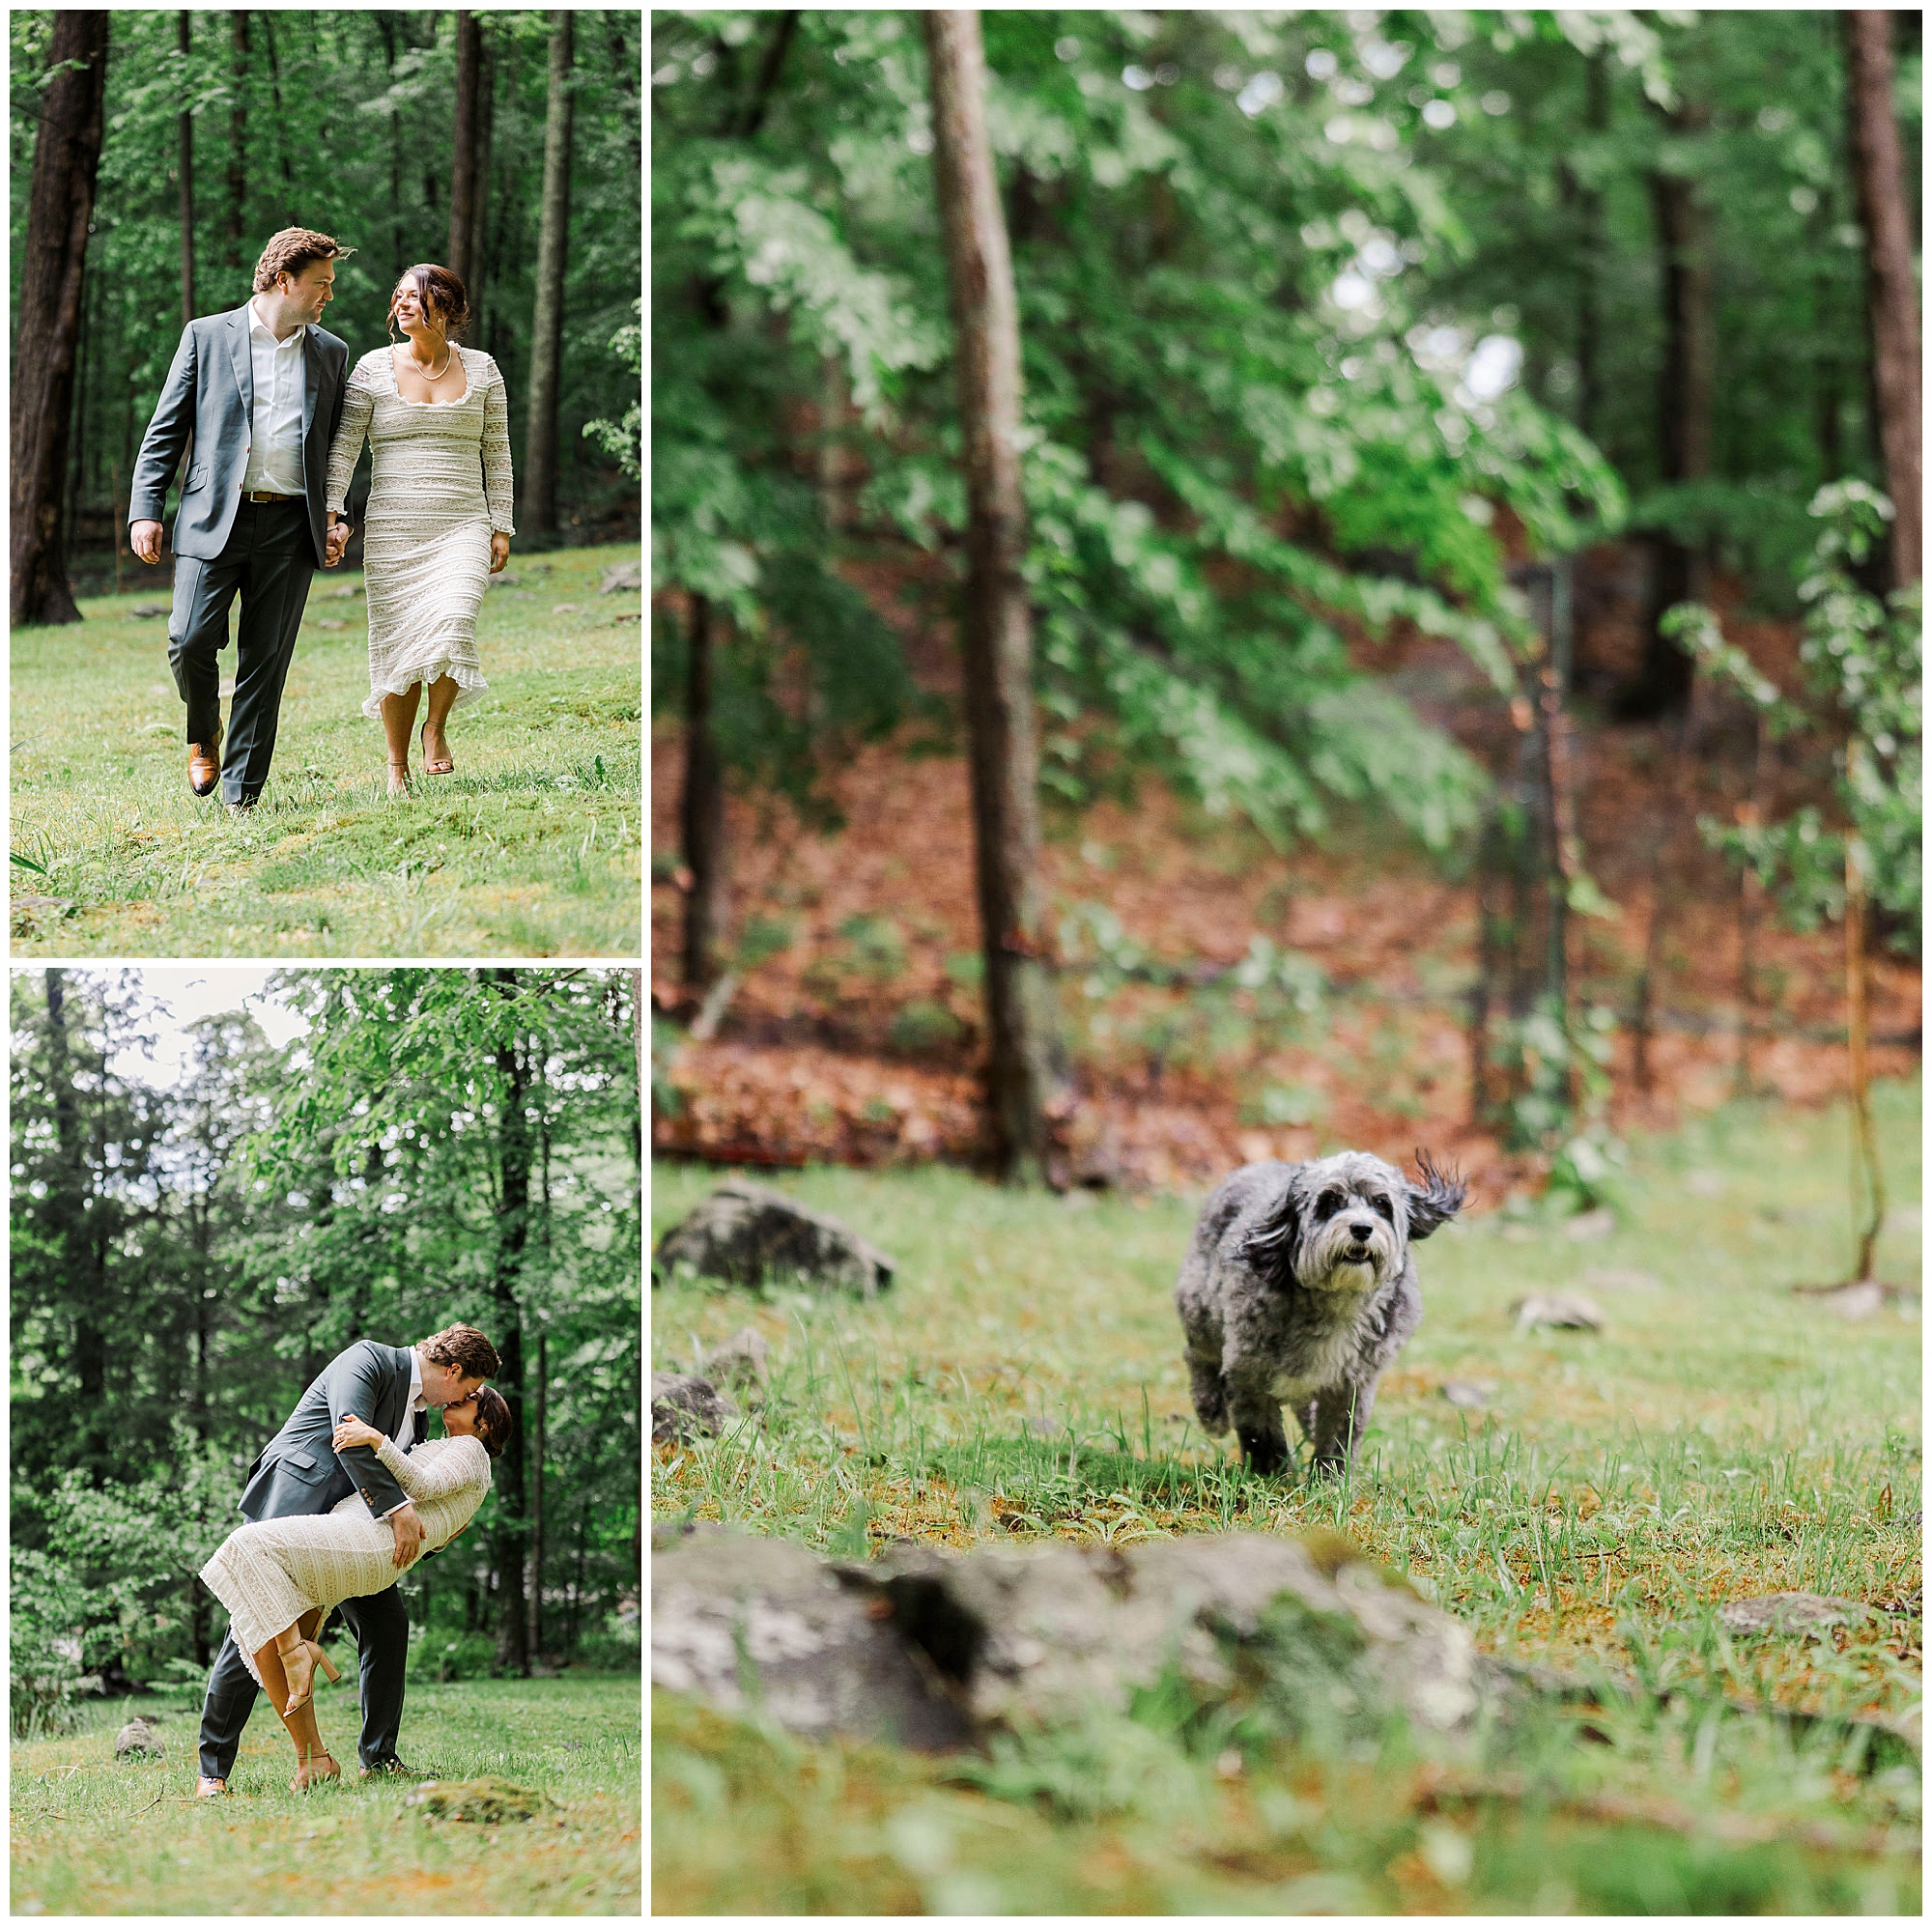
(399, 719)
(303, 1733)
(443, 693)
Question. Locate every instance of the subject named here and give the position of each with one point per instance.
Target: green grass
(531, 848)
(1023, 1379)
(94, 1835)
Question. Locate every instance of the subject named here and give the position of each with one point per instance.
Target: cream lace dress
(270, 1573)
(440, 484)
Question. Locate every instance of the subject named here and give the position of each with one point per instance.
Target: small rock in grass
(505, 581)
(136, 1738)
(739, 1360)
(683, 1408)
(486, 1801)
(1590, 1225)
(621, 575)
(145, 612)
(566, 608)
(1560, 1310)
(329, 625)
(1790, 1611)
(747, 1232)
(1467, 1397)
(1623, 1280)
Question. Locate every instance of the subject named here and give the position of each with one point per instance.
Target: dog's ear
(1436, 1199)
(1270, 1245)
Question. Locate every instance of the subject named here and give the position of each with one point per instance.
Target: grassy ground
(531, 848)
(94, 1835)
(1722, 1437)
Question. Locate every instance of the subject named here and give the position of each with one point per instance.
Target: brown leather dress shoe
(204, 766)
(210, 1788)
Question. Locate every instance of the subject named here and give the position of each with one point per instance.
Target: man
(300, 1474)
(259, 389)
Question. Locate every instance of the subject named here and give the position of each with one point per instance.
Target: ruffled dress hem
(468, 680)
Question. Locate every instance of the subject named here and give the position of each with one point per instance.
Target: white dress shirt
(406, 1430)
(274, 439)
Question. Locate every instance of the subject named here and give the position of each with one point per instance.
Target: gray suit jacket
(299, 1473)
(210, 392)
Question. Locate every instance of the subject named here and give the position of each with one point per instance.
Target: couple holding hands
(271, 420)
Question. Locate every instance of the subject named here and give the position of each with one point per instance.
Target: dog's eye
(1327, 1204)
(1384, 1210)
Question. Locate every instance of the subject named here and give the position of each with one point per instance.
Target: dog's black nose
(1361, 1232)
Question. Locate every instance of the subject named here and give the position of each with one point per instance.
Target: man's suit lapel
(241, 358)
(311, 381)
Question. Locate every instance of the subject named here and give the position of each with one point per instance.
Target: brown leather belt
(264, 495)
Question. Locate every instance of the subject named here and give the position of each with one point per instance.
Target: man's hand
(145, 539)
(499, 552)
(409, 1530)
(336, 541)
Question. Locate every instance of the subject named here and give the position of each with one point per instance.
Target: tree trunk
(1867, 1176)
(703, 806)
(47, 309)
(386, 27)
(537, 1492)
(185, 127)
(1590, 252)
(463, 173)
(512, 1168)
(1891, 291)
(539, 517)
(998, 626)
(235, 225)
(281, 122)
(480, 226)
(1684, 394)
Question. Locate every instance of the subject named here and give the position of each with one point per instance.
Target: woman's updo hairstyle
(492, 1420)
(439, 292)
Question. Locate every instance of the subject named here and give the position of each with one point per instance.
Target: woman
(437, 419)
(280, 1577)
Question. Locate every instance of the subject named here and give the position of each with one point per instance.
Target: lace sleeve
(439, 1474)
(359, 404)
(498, 482)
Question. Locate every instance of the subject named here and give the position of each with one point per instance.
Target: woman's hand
(499, 552)
(354, 1432)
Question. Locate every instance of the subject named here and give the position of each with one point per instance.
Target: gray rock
(746, 1232)
(1563, 1309)
(1790, 1611)
(137, 1737)
(1018, 1637)
(621, 575)
(747, 1623)
(739, 1361)
(683, 1408)
(1467, 1397)
(145, 612)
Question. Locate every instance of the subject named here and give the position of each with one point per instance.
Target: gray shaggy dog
(1298, 1290)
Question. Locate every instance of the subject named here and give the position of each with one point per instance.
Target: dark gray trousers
(380, 1624)
(270, 559)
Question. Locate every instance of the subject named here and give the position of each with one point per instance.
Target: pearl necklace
(438, 374)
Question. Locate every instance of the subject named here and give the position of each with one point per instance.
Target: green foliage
(1251, 427)
(1863, 660)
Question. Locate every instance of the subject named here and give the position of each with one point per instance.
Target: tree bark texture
(47, 312)
(184, 127)
(1891, 291)
(998, 626)
(512, 1168)
(539, 516)
(463, 171)
(1686, 392)
(703, 808)
(233, 224)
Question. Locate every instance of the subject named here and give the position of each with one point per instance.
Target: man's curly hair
(292, 250)
(464, 1348)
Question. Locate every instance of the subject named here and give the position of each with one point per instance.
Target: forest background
(410, 134)
(431, 1146)
(1389, 376)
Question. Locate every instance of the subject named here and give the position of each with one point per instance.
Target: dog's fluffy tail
(1211, 1396)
